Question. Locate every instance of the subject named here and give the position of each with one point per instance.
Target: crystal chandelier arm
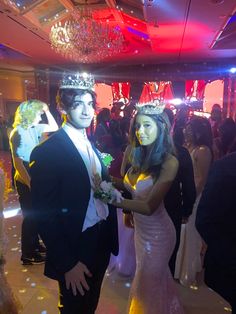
(68, 4)
(116, 13)
(84, 39)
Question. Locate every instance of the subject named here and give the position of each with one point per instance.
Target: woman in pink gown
(153, 168)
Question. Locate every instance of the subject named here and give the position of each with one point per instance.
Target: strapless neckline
(142, 177)
(153, 288)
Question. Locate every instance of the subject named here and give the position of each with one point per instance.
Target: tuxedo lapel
(104, 172)
(112, 217)
(71, 152)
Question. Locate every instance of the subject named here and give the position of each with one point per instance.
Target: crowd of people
(167, 214)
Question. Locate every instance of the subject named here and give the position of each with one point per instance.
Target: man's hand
(75, 278)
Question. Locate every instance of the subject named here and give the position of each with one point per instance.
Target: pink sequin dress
(153, 288)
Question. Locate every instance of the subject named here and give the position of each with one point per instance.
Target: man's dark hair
(67, 97)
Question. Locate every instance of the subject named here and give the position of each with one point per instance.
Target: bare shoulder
(203, 148)
(203, 151)
(171, 162)
(169, 169)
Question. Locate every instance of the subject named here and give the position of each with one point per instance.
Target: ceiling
(155, 31)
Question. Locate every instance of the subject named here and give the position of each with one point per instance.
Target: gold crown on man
(153, 107)
(77, 81)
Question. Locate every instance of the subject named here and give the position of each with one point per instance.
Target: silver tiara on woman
(78, 81)
(152, 107)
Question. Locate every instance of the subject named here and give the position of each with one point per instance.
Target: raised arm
(51, 126)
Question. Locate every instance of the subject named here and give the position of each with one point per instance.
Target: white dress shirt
(93, 166)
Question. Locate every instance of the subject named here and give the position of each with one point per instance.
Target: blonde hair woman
(27, 133)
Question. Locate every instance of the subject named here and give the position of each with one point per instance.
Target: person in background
(108, 139)
(9, 129)
(102, 128)
(215, 119)
(198, 140)
(215, 222)
(26, 134)
(4, 144)
(180, 121)
(126, 120)
(116, 110)
(125, 262)
(79, 231)
(180, 198)
(227, 134)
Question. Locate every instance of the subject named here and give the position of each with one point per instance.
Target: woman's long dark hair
(151, 161)
(227, 132)
(103, 116)
(201, 132)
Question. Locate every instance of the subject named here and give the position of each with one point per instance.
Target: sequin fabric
(153, 288)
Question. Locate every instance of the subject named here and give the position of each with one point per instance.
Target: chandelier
(83, 39)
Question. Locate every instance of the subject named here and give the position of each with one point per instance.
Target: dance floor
(38, 295)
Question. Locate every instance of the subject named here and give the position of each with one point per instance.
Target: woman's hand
(128, 220)
(45, 107)
(97, 180)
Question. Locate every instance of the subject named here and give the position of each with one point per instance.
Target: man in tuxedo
(215, 221)
(78, 230)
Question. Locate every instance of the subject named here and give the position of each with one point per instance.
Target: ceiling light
(176, 101)
(83, 39)
(232, 70)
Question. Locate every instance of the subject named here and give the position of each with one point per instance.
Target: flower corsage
(105, 191)
(106, 159)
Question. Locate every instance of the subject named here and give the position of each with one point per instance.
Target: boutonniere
(105, 191)
(106, 159)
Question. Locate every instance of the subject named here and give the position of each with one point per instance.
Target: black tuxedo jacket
(216, 223)
(61, 188)
(181, 196)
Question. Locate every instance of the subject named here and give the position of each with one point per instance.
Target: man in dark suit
(215, 221)
(180, 198)
(78, 230)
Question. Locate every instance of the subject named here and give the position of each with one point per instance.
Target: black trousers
(29, 230)
(87, 304)
(222, 280)
(177, 223)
